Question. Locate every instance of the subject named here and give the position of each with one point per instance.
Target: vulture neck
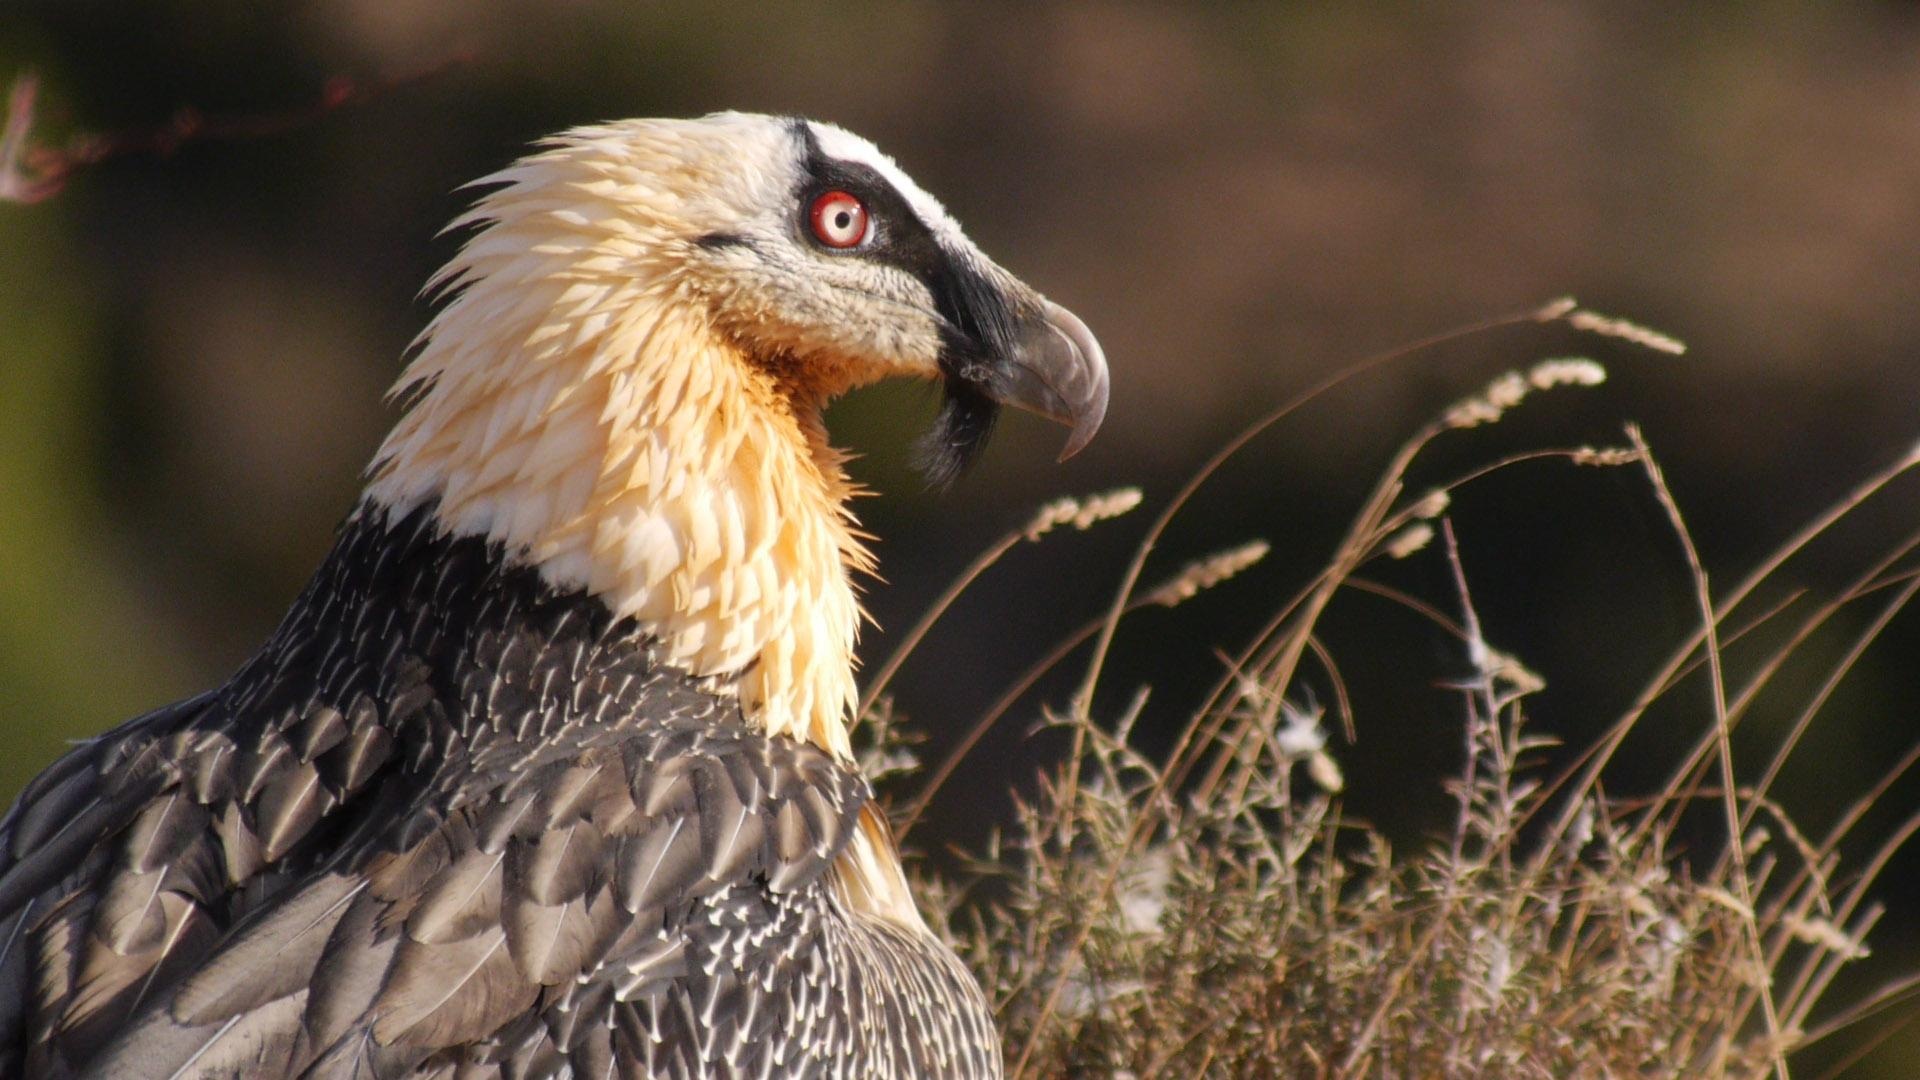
(601, 429)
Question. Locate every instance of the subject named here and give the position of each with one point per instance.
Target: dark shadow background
(1240, 199)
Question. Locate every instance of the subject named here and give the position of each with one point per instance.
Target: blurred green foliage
(75, 644)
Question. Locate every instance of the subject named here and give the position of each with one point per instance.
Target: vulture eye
(839, 220)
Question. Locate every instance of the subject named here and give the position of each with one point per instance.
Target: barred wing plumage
(452, 821)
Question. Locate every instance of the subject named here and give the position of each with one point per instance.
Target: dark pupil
(842, 219)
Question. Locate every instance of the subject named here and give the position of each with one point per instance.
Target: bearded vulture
(546, 773)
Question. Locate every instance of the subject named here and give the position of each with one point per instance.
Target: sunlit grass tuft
(1211, 912)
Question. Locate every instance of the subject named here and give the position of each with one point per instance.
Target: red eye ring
(838, 220)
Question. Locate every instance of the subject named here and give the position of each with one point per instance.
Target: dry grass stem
(1082, 514)
(1211, 912)
(1716, 681)
(1182, 586)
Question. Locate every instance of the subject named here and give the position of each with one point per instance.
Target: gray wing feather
(441, 945)
(447, 820)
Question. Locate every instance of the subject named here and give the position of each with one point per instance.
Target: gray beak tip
(1087, 424)
(1061, 373)
(1087, 395)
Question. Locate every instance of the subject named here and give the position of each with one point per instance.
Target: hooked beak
(1057, 369)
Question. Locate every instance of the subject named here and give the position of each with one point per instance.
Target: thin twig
(31, 173)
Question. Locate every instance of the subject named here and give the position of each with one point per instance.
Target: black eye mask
(978, 326)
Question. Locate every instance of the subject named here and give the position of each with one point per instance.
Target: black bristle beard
(959, 433)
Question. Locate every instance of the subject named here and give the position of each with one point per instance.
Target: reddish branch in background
(30, 173)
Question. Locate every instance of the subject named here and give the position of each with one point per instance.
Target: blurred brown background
(1238, 198)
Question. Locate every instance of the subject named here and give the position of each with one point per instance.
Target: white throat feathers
(578, 401)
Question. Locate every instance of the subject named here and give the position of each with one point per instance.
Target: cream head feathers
(624, 385)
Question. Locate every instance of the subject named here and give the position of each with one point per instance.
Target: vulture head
(625, 382)
(822, 258)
